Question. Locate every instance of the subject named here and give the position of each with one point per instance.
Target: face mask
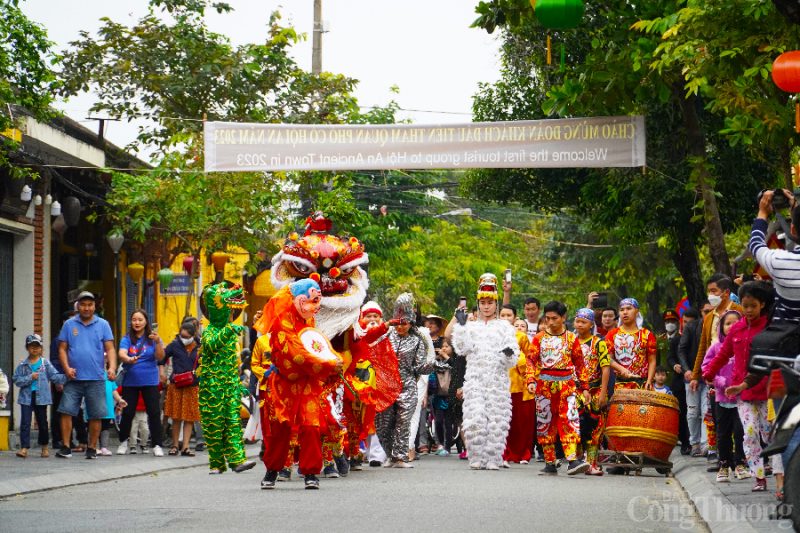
(187, 342)
(714, 300)
(671, 328)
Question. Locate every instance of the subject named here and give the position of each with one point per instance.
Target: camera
(779, 200)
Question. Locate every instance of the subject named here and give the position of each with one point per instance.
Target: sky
(425, 47)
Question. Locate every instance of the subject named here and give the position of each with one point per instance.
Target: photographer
(782, 265)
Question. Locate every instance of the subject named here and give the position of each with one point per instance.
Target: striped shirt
(784, 268)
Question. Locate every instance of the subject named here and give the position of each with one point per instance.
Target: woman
(182, 404)
(140, 351)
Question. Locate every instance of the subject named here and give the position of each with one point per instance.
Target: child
(33, 377)
(112, 397)
(756, 296)
(140, 430)
(660, 379)
(728, 426)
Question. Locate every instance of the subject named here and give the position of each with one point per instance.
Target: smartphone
(508, 275)
(600, 301)
(748, 277)
(462, 303)
(155, 327)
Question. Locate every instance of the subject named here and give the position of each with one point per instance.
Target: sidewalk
(34, 474)
(727, 507)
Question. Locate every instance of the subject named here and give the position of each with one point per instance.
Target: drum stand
(636, 461)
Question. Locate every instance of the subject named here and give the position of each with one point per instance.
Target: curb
(721, 516)
(72, 478)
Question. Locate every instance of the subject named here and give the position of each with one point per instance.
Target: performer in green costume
(220, 388)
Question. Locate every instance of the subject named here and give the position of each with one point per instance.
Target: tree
(25, 77)
(789, 9)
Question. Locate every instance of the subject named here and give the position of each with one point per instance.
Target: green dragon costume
(220, 388)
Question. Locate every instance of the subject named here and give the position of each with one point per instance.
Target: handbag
(186, 379)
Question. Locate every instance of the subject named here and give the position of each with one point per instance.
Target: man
(608, 321)
(555, 358)
(719, 296)
(678, 382)
(687, 351)
(85, 345)
(57, 392)
(632, 349)
(531, 310)
(490, 345)
(672, 324)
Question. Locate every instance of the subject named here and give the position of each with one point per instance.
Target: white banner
(564, 143)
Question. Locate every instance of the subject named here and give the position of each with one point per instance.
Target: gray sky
(425, 47)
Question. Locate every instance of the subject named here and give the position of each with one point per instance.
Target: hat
(671, 315)
(404, 308)
(33, 338)
(84, 295)
(371, 307)
(487, 286)
(437, 318)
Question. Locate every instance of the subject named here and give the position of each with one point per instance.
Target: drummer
(632, 349)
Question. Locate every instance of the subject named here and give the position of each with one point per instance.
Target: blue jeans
(92, 392)
(696, 407)
(25, 424)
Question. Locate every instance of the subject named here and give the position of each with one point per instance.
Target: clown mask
(307, 297)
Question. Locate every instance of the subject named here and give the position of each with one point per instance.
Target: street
(439, 494)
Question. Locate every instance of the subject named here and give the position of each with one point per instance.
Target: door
(7, 308)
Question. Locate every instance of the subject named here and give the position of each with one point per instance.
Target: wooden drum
(643, 421)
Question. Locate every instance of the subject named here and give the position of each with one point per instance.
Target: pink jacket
(737, 346)
(724, 377)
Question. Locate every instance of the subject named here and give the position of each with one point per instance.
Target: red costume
(632, 351)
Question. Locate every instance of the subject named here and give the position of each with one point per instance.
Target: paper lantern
(165, 276)
(72, 211)
(219, 259)
(558, 15)
(136, 271)
(187, 264)
(786, 75)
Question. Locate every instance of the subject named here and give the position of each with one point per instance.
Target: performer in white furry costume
(491, 348)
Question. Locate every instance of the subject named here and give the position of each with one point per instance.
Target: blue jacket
(47, 373)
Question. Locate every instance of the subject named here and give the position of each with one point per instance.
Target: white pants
(140, 428)
(374, 449)
(422, 388)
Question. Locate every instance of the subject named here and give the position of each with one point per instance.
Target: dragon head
(332, 261)
(220, 300)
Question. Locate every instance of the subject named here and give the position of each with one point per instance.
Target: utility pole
(316, 58)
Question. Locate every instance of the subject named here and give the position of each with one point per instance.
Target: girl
(729, 427)
(756, 297)
(443, 422)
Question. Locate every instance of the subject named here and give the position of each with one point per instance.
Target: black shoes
(329, 471)
(577, 467)
(64, 452)
(549, 470)
(285, 475)
(355, 465)
(686, 450)
(91, 453)
(375, 464)
(342, 465)
(268, 482)
(312, 483)
(247, 465)
(200, 448)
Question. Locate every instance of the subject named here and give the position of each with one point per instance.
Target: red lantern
(187, 264)
(786, 75)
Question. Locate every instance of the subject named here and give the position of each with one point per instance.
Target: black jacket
(689, 344)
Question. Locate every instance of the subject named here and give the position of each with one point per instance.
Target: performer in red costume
(302, 359)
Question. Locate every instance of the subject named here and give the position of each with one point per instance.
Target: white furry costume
(487, 386)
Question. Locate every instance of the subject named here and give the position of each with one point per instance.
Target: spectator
(140, 431)
(140, 350)
(199, 440)
(672, 324)
(33, 377)
(86, 344)
(443, 424)
(531, 309)
(521, 325)
(78, 422)
(687, 348)
(182, 404)
(112, 398)
(660, 380)
(609, 319)
(678, 385)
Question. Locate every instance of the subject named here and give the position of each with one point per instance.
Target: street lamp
(115, 241)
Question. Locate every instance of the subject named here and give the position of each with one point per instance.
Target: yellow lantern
(136, 271)
(219, 259)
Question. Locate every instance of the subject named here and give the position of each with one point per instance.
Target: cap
(33, 338)
(371, 307)
(84, 295)
(671, 315)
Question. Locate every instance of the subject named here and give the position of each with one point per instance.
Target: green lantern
(558, 15)
(165, 276)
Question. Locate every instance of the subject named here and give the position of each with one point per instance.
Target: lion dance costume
(491, 348)
(221, 390)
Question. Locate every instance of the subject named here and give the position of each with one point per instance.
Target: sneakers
(91, 453)
(594, 471)
(312, 483)
(329, 471)
(214, 472)
(741, 472)
(577, 466)
(423, 450)
(355, 465)
(549, 470)
(401, 464)
(475, 466)
(375, 464)
(283, 475)
(268, 482)
(559, 462)
(506, 465)
(123, 448)
(157, 451)
(134, 450)
(45, 451)
(104, 451)
(724, 475)
(442, 453)
(145, 449)
(540, 458)
(712, 456)
(686, 450)
(761, 485)
(201, 448)
(64, 452)
(342, 465)
(388, 463)
(492, 466)
(463, 455)
(247, 465)
(524, 462)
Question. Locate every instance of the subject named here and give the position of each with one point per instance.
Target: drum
(643, 421)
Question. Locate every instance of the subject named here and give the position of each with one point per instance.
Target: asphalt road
(438, 495)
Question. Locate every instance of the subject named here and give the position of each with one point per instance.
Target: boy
(33, 377)
(660, 380)
(632, 349)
